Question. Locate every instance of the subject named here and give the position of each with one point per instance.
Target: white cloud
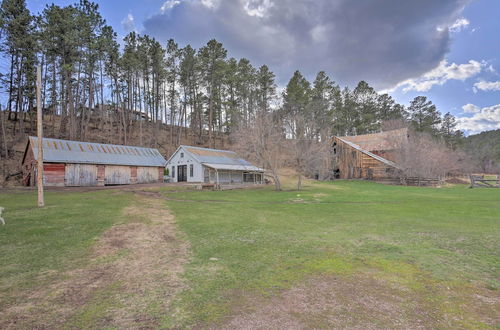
(471, 108)
(169, 4)
(484, 119)
(128, 23)
(257, 8)
(440, 75)
(459, 24)
(212, 4)
(487, 85)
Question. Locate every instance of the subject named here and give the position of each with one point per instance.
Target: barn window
(191, 170)
(334, 151)
(173, 171)
(182, 155)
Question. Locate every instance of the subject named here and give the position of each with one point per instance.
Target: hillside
(485, 149)
(165, 138)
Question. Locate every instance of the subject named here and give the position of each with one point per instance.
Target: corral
(74, 163)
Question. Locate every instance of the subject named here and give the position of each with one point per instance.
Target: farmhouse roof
(388, 140)
(219, 159)
(65, 151)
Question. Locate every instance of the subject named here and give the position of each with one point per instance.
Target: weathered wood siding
(350, 163)
(54, 174)
(117, 174)
(133, 174)
(81, 175)
(28, 167)
(101, 169)
(147, 174)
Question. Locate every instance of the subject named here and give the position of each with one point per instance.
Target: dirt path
(130, 281)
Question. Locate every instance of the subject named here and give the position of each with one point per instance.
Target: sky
(447, 50)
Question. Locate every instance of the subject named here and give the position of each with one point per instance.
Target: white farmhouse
(203, 165)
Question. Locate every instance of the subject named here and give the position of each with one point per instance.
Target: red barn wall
(53, 174)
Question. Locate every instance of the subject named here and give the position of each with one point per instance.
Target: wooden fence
(479, 181)
(417, 181)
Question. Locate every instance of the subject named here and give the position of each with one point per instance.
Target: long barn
(75, 163)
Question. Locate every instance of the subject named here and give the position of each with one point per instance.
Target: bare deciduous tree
(423, 156)
(263, 142)
(308, 156)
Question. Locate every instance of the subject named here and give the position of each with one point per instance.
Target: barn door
(117, 175)
(80, 175)
(147, 174)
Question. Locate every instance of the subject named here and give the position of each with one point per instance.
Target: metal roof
(377, 157)
(215, 156)
(65, 151)
(387, 140)
(227, 167)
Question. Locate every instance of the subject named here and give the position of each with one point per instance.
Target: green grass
(439, 244)
(37, 244)
(267, 241)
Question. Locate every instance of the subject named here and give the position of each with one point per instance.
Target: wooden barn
(369, 156)
(75, 163)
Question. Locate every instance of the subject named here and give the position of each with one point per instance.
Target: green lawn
(435, 249)
(47, 241)
(427, 239)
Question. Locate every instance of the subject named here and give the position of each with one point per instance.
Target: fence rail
(478, 181)
(416, 181)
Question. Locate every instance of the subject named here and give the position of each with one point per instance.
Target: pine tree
(212, 58)
(296, 99)
(423, 115)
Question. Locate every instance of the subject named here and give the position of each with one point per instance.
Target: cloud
(487, 86)
(440, 75)
(128, 23)
(383, 42)
(483, 119)
(471, 108)
(459, 24)
(169, 4)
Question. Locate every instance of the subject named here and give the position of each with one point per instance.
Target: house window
(182, 155)
(191, 170)
(173, 171)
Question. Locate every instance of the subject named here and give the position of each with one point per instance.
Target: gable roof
(216, 158)
(66, 151)
(372, 155)
(387, 140)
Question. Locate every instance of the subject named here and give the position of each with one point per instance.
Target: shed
(351, 161)
(75, 163)
(203, 165)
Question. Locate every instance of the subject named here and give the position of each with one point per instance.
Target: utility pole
(39, 129)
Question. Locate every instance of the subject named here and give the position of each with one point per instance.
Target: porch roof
(230, 167)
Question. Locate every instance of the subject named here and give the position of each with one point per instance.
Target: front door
(182, 173)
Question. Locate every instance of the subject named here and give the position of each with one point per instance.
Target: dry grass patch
(354, 302)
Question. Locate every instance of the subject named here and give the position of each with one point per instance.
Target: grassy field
(441, 245)
(343, 254)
